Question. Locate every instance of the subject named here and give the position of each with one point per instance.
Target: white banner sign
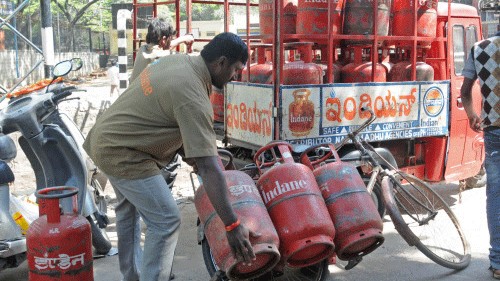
(249, 113)
(326, 113)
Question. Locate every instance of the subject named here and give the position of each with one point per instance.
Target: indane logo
(282, 188)
(433, 101)
(237, 190)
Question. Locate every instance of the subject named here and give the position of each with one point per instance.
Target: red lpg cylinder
(401, 71)
(335, 69)
(59, 246)
(357, 222)
(358, 20)
(295, 206)
(266, 18)
(426, 20)
(359, 71)
(385, 60)
(251, 211)
(299, 72)
(312, 18)
(261, 73)
(217, 100)
(336, 72)
(294, 73)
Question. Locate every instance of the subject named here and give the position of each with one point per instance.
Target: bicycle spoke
(424, 217)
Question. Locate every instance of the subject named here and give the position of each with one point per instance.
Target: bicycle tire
(315, 272)
(425, 220)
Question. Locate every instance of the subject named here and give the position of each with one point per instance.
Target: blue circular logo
(433, 101)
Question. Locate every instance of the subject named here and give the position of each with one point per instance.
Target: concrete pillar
(47, 37)
(121, 27)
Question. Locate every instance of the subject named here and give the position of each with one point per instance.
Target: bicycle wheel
(315, 272)
(425, 220)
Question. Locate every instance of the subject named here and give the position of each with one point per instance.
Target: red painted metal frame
(433, 173)
(279, 38)
(227, 4)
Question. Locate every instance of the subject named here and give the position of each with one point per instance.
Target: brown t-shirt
(167, 107)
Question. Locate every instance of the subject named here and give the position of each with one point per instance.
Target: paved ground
(394, 260)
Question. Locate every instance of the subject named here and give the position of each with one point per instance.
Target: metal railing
(5, 22)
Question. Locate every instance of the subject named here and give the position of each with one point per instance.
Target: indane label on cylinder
(237, 190)
(63, 261)
(282, 188)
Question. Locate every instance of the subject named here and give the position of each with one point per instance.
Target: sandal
(496, 273)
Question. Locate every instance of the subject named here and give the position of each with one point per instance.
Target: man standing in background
(160, 40)
(113, 76)
(483, 63)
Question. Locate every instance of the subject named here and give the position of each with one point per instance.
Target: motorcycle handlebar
(63, 89)
(58, 97)
(63, 93)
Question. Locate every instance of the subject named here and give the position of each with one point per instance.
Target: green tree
(98, 16)
(70, 15)
(28, 20)
(75, 12)
(202, 12)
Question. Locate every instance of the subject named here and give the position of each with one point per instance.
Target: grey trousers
(151, 199)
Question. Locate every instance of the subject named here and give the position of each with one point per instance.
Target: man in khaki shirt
(167, 107)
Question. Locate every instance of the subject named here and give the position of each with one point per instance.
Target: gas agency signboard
(315, 114)
(249, 112)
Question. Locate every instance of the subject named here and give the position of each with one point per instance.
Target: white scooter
(53, 144)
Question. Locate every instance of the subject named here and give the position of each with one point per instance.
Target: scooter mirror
(62, 68)
(76, 64)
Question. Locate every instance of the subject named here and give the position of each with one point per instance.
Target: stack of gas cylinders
(306, 212)
(348, 17)
(426, 26)
(295, 72)
(247, 204)
(306, 59)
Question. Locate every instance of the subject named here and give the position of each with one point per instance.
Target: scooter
(53, 144)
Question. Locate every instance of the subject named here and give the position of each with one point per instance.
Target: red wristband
(232, 226)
